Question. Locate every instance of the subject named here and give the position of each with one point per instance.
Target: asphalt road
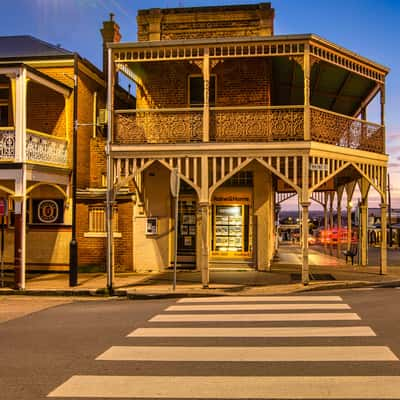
(268, 349)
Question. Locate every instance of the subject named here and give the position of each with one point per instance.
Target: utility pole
(109, 197)
(390, 211)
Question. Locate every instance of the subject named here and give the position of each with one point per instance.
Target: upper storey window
(4, 106)
(196, 91)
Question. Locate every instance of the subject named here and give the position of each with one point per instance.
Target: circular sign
(48, 211)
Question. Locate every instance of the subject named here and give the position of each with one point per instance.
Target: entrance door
(187, 232)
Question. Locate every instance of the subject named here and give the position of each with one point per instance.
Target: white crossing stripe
(302, 331)
(223, 307)
(256, 317)
(248, 354)
(231, 387)
(232, 299)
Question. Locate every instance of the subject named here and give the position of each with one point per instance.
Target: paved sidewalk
(326, 272)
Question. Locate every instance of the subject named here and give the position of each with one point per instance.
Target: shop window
(196, 91)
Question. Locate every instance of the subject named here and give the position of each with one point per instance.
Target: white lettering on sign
(319, 167)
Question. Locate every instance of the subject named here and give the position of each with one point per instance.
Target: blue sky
(368, 27)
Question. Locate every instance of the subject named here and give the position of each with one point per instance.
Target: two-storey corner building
(246, 119)
(50, 100)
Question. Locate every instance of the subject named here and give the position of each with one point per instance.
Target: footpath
(327, 271)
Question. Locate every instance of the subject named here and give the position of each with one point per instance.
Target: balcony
(246, 124)
(40, 148)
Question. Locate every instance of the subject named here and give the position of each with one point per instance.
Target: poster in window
(151, 226)
(187, 241)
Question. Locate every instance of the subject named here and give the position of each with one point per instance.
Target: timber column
(304, 232)
(204, 220)
(363, 232)
(305, 203)
(364, 188)
(204, 207)
(206, 105)
(20, 182)
(349, 226)
(383, 262)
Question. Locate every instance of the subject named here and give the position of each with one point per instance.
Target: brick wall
(45, 110)
(92, 251)
(205, 22)
(165, 84)
(243, 82)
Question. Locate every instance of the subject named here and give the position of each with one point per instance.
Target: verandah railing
(40, 147)
(246, 124)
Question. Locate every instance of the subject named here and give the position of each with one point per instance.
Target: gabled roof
(25, 46)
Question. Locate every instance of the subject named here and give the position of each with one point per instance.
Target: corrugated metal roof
(28, 46)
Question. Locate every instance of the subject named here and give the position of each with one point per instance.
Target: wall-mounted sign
(48, 211)
(319, 167)
(151, 226)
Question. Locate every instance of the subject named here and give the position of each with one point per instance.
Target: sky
(368, 27)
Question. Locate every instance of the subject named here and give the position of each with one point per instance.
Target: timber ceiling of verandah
(331, 87)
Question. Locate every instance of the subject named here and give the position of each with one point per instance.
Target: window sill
(101, 234)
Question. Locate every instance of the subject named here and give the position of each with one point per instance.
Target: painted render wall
(152, 252)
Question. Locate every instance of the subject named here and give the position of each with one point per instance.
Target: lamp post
(73, 245)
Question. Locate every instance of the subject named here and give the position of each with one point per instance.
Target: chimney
(110, 33)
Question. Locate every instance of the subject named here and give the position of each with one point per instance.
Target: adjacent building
(52, 164)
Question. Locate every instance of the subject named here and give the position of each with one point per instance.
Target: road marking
(232, 387)
(256, 317)
(223, 307)
(302, 331)
(362, 289)
(231, 299)
(248, 354)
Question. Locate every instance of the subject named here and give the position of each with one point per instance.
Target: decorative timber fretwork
(222, 168)
(287, 168)
(280, 197)
(237, 49)
(346, 62)
(374, 174)
(320, 198)
(189, 168)
(295, 45)
(323, 169)
(344, 131)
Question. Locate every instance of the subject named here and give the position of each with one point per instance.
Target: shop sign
(319, 167)
(48, 211)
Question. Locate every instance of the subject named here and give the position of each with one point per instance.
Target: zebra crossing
(260, 331)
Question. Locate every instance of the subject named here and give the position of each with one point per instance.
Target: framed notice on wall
(151, 226)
